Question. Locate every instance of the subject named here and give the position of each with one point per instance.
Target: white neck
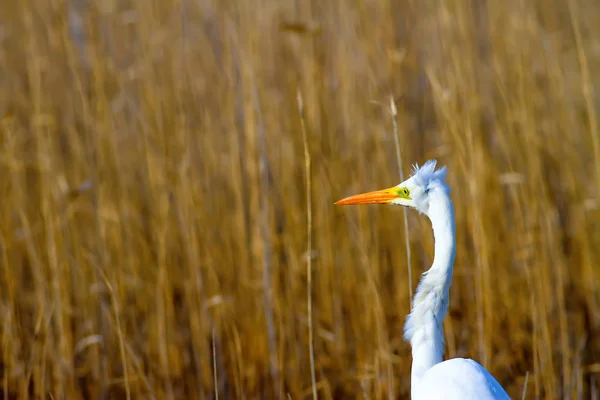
(423, 328)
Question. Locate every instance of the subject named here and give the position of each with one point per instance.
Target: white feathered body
(458, 379)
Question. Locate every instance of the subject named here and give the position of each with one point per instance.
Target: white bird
(431, 378)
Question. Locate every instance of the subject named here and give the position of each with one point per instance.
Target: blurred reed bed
(154, 236)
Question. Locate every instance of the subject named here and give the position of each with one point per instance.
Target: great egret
(431, 378)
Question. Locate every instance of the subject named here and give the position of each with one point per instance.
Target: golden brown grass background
(154, 236)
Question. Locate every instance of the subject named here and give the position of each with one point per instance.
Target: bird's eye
(404, 192)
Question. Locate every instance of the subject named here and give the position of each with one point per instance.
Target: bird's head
(415, 192)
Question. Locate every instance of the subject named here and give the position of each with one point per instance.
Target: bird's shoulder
(459, 378)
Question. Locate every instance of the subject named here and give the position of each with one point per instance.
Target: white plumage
(458, 379)
(431, 378)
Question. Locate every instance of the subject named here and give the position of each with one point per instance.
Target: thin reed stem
(587, 89)
(309, 302)
(214, 362)
(115, 305)
(404, 210)
(524, 394)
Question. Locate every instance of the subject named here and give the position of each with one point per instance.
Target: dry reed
(154, 210)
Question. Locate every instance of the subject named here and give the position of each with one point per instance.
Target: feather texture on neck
(423, 328)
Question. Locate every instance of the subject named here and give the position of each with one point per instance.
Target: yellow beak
(384, 196)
